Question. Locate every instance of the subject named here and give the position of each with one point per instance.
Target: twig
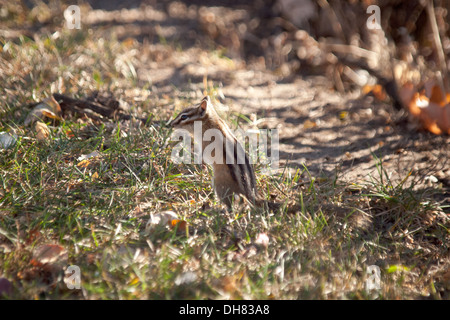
(335, 22)
(67, 103)
(350, 49)
(438, 44)
(90, 109)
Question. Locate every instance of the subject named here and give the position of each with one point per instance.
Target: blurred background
(290, 37)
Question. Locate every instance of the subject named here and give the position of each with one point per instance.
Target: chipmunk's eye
(184, 117)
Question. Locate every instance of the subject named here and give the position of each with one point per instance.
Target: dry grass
(98, 213)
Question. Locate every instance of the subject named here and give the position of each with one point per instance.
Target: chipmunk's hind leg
(225, 195)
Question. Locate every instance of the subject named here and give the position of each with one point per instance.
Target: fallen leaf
(84, 164)
(161, 219)
(377, 90)
(397, 268)
(49, 254)
(262, 239)
(430, 106)
(88, 156)
(141, 207)
(308, 124)
(185, 278)
(179, 224)
(129, 42)
(33, 235)
(49, 108)
(46, 265)
(69, 133)
(431, 178)
(42, 131)
(343, 115)
(50, 258)
(229, 284)
(446, 280)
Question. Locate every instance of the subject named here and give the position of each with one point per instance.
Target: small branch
(67, 103)
(92, 109)
(438, 45)
(350, 49)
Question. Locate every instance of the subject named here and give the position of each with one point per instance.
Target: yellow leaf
(83, 164)
(94, 176)
(308, 124)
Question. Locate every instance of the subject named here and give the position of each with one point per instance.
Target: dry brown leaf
(231, 284)
(430, 106)
(129, 42)
(446, 279)
(377, 90)
(262, 239)
(308, 124)
(49, 254)
(49, 108)
(33, 235)
(42, 131)
(88, 156)
(48, 261)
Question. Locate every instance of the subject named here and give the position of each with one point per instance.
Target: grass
(98, 211)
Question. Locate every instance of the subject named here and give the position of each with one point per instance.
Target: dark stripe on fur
(233, 176)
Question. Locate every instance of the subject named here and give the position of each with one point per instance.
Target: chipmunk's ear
(205, 101)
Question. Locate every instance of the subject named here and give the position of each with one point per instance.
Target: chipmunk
(229, 177)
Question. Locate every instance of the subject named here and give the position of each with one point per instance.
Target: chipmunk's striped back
(233, 173)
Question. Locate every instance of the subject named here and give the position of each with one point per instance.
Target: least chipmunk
(233, 173)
